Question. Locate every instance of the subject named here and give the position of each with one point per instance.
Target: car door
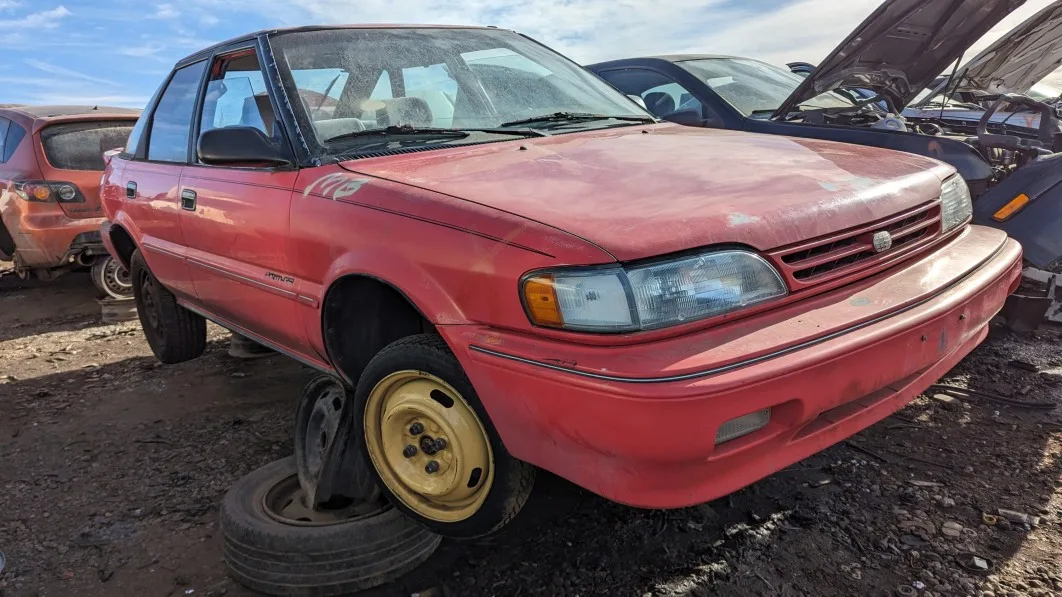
(235, 218)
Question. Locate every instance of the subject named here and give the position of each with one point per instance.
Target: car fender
(1036, 226)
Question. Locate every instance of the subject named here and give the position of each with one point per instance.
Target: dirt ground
(112, 467)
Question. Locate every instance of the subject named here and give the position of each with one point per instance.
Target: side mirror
(239, 145)
(638, 100)
(689, 117)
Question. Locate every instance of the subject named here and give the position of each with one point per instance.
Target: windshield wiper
(402, 131)
(430, 133)
(575, 117)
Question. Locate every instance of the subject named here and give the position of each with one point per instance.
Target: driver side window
(236, 95)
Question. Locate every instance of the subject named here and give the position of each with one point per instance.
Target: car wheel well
(123, 244)
(361, 316)
(7, 244)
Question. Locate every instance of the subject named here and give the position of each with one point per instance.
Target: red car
(513, 265)
(51, 159)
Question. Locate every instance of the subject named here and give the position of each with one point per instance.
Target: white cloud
(148, 50)
(45, 19)
(66, 72)
(166, 11)
(595, 30)
(9, 4)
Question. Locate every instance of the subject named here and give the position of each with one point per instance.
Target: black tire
(271, 557)
(174, 333)
(111, 278)
(513, 479)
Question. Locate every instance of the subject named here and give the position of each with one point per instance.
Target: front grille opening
(829, 266)
(819, 250)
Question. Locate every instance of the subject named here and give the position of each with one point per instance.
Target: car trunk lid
(901, 48)
(641, 192)
(73, 152)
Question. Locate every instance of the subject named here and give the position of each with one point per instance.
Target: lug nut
(409, 451)
(432, 467)
(440, 444)
(416, 429)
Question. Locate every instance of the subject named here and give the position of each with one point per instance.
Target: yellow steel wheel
(428, 446)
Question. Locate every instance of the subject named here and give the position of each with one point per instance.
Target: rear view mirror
(239, 145)
(687, 117)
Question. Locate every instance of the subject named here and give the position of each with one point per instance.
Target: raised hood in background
(901, 47)
(1019, 59)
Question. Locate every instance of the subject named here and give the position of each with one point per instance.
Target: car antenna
(954, 71)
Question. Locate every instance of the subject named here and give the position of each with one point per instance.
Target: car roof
(41, 112)
(666, 58)
(253, 35)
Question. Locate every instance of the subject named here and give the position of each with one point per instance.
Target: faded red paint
(43, 233)
(456, 229)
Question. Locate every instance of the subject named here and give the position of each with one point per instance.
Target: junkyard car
(1013, 171)
(51, 158)
(514, 266)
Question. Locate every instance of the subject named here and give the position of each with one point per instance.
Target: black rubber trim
(747, 362)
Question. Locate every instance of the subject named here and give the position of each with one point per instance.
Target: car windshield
(755, 88)
(1044, 93)
(403, 81)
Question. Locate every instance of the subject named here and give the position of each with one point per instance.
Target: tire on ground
(174, 333)
(100, 277)
(513, 479)
(275, 558)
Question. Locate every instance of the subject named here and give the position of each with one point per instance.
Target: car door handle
(130, 190)
(188, 200)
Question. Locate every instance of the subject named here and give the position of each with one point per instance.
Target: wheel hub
(116, 278)
(448, 472)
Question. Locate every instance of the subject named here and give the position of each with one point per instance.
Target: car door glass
(15, 134)
(661, 94)
(172, 122)
(236, 95)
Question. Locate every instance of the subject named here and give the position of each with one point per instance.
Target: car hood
(1019, 59)
(640, 192)
(901, 48)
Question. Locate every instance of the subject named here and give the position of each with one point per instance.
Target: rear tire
(111, 278)
(174, 333)
(268, 552)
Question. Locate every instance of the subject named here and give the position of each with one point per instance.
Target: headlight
(956, 206)
(615, 299)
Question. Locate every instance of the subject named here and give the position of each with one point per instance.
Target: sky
(117, 52)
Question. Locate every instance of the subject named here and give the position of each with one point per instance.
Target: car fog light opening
(742, 426)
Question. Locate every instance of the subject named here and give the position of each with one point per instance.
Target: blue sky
(116, 52)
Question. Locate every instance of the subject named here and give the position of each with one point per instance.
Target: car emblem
(882, 241)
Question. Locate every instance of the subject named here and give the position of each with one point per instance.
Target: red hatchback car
(51, 159)
(512, 265)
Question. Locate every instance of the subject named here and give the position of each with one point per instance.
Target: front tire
(112, 278)
(433, 447)
(174, 333)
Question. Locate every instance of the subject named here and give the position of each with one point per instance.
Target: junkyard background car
(51, 159)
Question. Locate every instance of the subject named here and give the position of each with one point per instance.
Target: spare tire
(274, 545)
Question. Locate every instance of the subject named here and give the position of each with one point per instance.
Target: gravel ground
(111, 469)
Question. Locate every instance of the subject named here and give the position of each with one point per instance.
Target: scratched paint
(740, 219)
(337, 185)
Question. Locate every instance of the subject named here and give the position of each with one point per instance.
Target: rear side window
(4, 123)
(15, 134)
(81, 145)
(172, 122)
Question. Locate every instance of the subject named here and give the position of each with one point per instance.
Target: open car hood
(901, 47)
(1020, 59)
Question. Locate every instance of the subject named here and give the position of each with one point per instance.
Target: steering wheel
(1045, 134)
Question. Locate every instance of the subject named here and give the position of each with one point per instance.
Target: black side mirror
(239, 144)
(688, 117)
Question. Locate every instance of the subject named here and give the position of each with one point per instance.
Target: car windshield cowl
(411, 132)
(576, 117)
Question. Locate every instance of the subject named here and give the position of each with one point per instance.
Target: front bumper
(637, 424)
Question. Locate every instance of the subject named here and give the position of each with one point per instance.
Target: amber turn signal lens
(541, 301)
(42, 192)
(1012, 207)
